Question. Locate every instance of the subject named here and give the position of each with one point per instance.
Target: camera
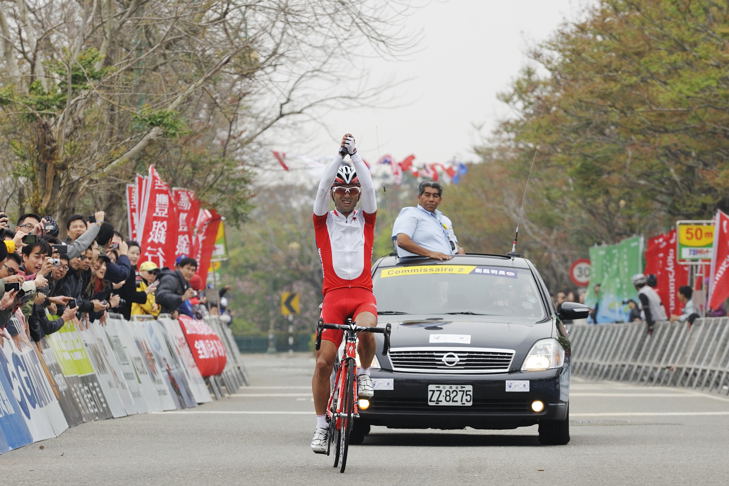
(91, 219)
(50, 227)
(55, 262)
(12, 286)
(72, 304)
(30, 239)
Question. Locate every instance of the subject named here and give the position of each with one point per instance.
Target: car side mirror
(569, 311)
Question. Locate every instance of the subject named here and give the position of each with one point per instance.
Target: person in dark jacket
(174, 286)
(128, 291)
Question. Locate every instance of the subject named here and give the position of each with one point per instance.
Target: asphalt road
(621, 434)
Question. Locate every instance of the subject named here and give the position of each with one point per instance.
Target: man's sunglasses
(342, 190)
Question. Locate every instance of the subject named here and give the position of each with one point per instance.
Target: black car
(475, 343)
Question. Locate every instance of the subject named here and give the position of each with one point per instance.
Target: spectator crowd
(47, 280)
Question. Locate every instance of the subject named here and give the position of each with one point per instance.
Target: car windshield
(458, 289)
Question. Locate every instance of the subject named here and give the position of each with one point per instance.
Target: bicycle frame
(349, 358)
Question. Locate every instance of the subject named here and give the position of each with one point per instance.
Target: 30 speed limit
(580, 272)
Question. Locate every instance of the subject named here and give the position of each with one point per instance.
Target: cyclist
(344, 238)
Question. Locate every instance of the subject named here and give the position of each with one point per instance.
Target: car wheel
(359, 432)
(555, 432)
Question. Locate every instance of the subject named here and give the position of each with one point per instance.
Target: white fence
(674, 355)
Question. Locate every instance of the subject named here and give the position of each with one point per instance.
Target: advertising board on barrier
(194, 378)
(159, 379)
(70, 352)
(14, 432)
(28, 383)
(109, 380)
(205, 345)
(169, 366)
(60, 385)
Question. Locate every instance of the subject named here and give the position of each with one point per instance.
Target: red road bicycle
(343, 405)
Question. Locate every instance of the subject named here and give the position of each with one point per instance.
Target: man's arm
(407, 243)
(368, 198)
(321, 202)
(80, 244)
(645, 304)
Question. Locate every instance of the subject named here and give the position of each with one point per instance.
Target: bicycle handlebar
(357, 329)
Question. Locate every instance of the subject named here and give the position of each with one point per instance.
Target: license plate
(450, 395)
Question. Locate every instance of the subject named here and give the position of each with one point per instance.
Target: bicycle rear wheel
(347, 414)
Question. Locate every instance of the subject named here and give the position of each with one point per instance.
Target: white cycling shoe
(319, 441)
(365, 387)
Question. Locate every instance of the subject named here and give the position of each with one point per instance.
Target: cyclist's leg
(332, 312)
(322, 374)
(366, 315)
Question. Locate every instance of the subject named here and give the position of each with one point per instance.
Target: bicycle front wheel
(347, 414)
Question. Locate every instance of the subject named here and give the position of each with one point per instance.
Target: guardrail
(93, 371)
(676, 354)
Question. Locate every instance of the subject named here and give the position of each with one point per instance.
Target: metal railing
(676, 354)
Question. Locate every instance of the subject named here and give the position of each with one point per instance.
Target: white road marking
(276, 387)
(572, 415)
(648, 414)
(271, 395)
(638, 395)
(235, 412)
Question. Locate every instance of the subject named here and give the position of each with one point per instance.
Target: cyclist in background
(344, 238)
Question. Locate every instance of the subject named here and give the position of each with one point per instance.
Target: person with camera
(174, 286)
(148, 272)
(127, 288)
(78, 243)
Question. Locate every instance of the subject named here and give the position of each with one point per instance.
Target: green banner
(612, 268)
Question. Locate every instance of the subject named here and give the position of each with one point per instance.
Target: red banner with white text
(660, 260)
(206, 230)
(719, 281)
(206, 347)
(159, 231)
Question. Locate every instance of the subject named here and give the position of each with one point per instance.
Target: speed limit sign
(580, 272)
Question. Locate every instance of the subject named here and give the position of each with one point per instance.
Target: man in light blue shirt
(423, 230)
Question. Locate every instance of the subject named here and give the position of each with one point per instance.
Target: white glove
(348, 144)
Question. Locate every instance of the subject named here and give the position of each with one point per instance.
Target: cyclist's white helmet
(346, 176)
(639, 279)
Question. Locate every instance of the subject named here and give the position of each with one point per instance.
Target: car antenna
(513, 253)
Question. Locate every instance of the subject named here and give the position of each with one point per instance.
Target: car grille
(383, 403)
(451, 360)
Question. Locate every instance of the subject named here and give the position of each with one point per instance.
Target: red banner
(719, 281)
(660, 260)
(206, 347)
(142, 203)
(206, 229)
(132, 205)
(187, 210)
(159, 232)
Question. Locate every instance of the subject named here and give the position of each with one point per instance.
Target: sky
(470, 50)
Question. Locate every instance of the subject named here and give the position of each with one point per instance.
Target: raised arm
(321, 202)
(368, 199)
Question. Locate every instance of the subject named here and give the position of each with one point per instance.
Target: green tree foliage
(626, 124)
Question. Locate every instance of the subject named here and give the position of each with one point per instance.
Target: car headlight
(544, 355)
(375, 362)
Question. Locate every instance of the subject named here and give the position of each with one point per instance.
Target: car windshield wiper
(468, 313)
(391, 313)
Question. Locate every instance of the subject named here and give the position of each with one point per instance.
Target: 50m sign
(695, 241)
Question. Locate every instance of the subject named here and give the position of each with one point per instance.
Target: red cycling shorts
(342, 303)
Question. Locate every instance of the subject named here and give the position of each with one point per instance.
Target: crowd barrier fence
(99, 371)
(676, 354)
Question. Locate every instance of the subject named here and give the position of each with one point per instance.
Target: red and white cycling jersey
(345, 249)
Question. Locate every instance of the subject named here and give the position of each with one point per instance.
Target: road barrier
(99, 371)
(676, 354)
